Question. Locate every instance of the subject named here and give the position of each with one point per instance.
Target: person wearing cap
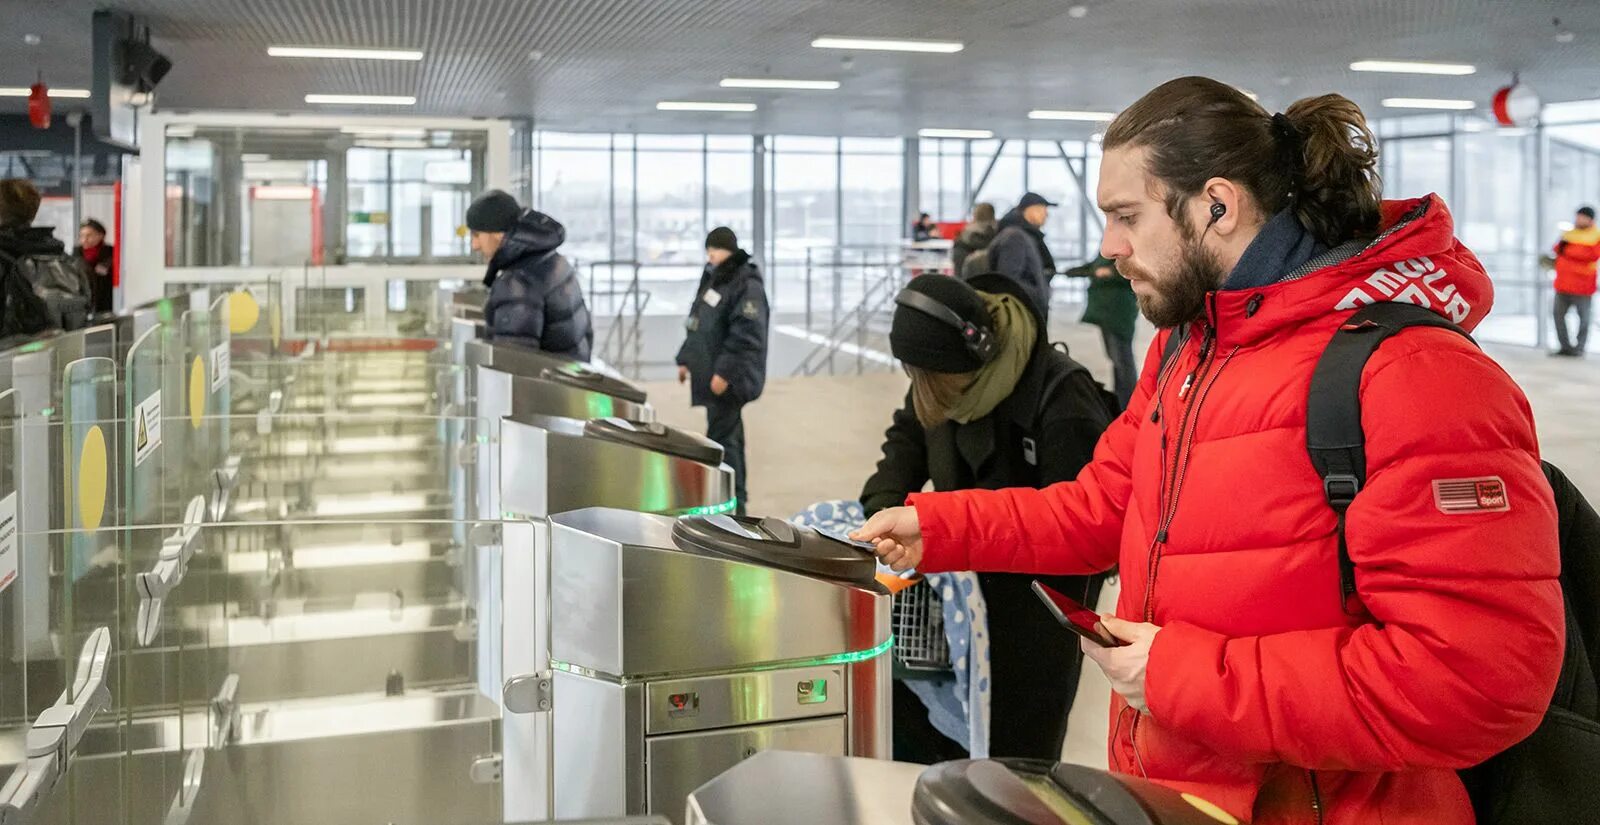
(534, 295)
(991, 405)
(1576, 255)
(1019, 251)
(724, 354)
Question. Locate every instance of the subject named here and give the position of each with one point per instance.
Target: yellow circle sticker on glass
(197, 392)
(243, 312)
(92, 479)
(1210, 809)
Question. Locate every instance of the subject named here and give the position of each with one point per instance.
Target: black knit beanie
(722, 238)
(493, 211)
(921, 340)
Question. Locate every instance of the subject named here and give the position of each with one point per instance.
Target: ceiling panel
(603, 64)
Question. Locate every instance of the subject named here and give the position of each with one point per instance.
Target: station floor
(814, 438)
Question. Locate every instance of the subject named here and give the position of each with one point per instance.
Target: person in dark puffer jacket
(724, 355)
(534, 295)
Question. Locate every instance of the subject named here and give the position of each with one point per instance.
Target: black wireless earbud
(1218, 209)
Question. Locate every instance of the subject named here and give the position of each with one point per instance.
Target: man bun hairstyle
(1319, 156)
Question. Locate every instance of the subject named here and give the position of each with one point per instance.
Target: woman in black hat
(724, 354)
(991, 405)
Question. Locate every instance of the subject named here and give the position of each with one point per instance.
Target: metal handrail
(613, 348)
(876, 295)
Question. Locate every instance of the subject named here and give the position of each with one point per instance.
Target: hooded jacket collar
(18, 241)
(535, 235)
(1015, 218)
(1416, 258)
(729, 268)
(1281, 247)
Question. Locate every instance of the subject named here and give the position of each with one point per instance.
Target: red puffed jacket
(1264, 695)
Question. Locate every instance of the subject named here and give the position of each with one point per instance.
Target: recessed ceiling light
(703, 106)
(1066, 114)
(24, 91)
(967, 134)
(364, 100)
(886, 45)
(1428, 103)
(345, 54)
(1078, 12)
(1412, 67)
(774, 83)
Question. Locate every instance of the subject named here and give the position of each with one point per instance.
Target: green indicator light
(601, 406)
(711, 509)
(850, 658)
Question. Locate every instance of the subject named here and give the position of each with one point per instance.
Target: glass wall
(293, 197)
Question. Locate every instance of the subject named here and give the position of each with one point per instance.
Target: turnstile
(548, 465)
(681, 647)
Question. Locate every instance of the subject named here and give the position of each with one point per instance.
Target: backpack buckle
(1341, 489)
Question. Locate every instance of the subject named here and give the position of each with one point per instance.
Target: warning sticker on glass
(8, 541)
(146, 427)
(221, 362)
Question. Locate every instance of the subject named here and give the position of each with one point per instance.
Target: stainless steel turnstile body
(549, 465)
(670, 665)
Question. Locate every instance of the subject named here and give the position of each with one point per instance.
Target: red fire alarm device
(39, 106)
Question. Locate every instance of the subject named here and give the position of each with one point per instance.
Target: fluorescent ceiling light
(1412, 67)
(254, 157)
(24, 91)
(385, 131)
(884, 45)
(184, 131)
(1064, 114)
(347, 54)
(773, 83)
(969, 134)
(694, 106)
(364, 100)
(1428, 103)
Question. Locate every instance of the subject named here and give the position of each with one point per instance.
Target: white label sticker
(221, 362)
(8, 541)
(147, 428)
(712, 298)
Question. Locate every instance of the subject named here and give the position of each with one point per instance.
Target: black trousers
(1124, 368)
(725, 425)
(1033, 663)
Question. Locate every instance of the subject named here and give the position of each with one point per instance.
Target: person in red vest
(1576, 254)
(1246, 676)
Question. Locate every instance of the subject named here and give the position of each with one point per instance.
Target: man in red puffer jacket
(1246, 678)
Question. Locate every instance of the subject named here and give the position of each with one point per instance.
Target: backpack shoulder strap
(1333, 410)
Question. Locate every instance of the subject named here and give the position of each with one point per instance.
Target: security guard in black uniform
(724, 356)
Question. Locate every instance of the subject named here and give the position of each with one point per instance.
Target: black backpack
(22, 311)
(1108, 399)
(1550, 776)
(61, 284)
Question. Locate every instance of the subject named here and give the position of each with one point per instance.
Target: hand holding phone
(1075, 617)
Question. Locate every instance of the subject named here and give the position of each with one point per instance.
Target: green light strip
(710, 509)
(850, 658)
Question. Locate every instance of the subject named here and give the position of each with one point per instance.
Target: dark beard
(1182, 299)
